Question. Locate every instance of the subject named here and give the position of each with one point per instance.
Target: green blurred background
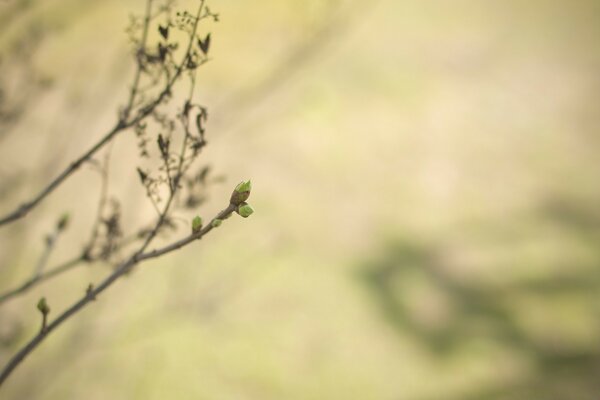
(426, 179)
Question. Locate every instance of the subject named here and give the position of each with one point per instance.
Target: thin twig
(92, 294)
(41, 276)
(173, 188)
(50, 246)
(102, 199)
(35, 280)
(141, 254)
(122, 124)
(138, 71)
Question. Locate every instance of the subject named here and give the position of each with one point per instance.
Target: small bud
(244, 186)
(196, 224)
(245, 210)
(241, 193)
(89, 292)
(63, 222)
(143, 175)
(43, 306)
(216, 222)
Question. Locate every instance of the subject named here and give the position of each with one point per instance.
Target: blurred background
(426, 180)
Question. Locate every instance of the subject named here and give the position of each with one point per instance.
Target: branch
(24, 209)
(93, 292)
(129, 118)
(149, 234)
(38, 272)
(122, 124)
(35, 280)
(39, 276)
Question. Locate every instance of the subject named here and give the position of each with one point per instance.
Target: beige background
(426, 194)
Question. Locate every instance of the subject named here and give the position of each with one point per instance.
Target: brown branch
(41, 276)
(102, 199)
(173, 189)
(35, 280)
(24, 209)
(141, 254)
(138, 71)
(38, 272)
(122, 124)
(93, 292)
(86, 258)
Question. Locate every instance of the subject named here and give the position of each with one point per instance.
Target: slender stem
(44, 322)
(79, 260)
(41, 276)
(173, 188)
(24, 209)
(138, 71)
(141, 254)
(92, 294)
(34, 281)
(50, 245)
(102, 199)
(121, 125)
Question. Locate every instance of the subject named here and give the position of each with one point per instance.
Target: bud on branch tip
(42, 305)
(241, 193)
(244, 186)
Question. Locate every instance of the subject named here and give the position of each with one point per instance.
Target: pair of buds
(239, 196)
(238, 200)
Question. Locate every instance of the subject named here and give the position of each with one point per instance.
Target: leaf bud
(245, 210)
(241, 193)
(43, 306)
(196, 224)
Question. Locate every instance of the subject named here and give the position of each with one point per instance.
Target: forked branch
(127, 118)
(93, 292)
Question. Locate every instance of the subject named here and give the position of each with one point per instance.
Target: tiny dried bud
(245, 210)
(241, 193)
(63, 222)
(216, 222)
(196, 224)
(89, 292)
(143, 176)
(43, 306)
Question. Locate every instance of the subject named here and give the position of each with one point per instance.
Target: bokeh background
(426, 179)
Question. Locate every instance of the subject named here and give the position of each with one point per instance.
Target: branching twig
(89, 255)
(124, 123)
(39, 276)
(93, 293)
(38, 272)
(156, 65)
(35, 280)
(102, 199)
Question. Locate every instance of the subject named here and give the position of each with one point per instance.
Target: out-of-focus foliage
(426, 195)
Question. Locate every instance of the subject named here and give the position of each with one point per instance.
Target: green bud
(216, 222)
(244, 186)
(241, 193)
(245, 210)
(43, 306)
(196, 224)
